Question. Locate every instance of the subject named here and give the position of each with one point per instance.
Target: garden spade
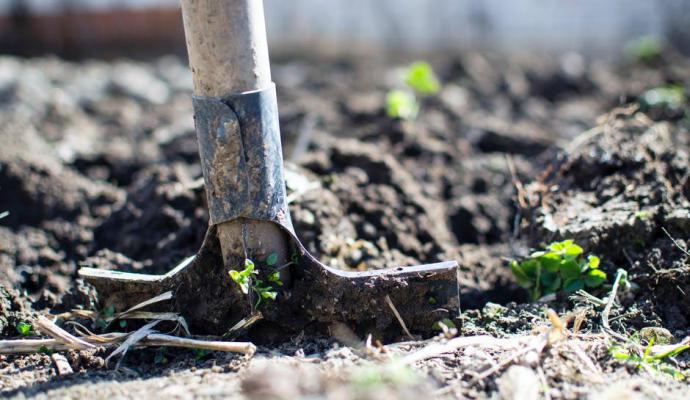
(236, 119)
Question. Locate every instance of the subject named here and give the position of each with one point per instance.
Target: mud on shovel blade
(242, 131)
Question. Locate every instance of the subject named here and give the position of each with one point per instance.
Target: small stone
(518, 383)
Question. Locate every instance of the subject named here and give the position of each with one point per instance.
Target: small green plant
(401, 104)
(561, 266)
(652, 361)
(247, 279)
(106, 313)
(668, 96)
(24, 328)
(200, 354)
(420, 80)
(161, 356)
(447, 322)
(645, 48)
(642, 215)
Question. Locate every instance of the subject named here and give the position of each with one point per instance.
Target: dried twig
(519, 187)
(27, 346)
(132, 339)
(24, 346)
(397, 315)
(675, 242)
(244, 323)
(157, 339)
(49, 328)
(609, 304)
(161, 297)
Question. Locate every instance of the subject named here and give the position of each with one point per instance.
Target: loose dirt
(99, 167)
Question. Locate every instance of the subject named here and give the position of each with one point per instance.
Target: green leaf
(235, 275)
(550, 261)
(200, 354)
(109, 311)
(671, 96)
(547, 278)
(560, 247)
(620, 354)
(446, 321)
(551, 282)
(554, 286)
(241, 278)
(645, 48)
(268, 294)
(573, 251)
(569, 269)
(272, 259)
(520, 276)
(593, 262)
(275, 278)
(24, 328)
(248, 267)
(531, 268)
(421, 78)
(595, 277)
(537, 254)
(573, 284)
(401, 104)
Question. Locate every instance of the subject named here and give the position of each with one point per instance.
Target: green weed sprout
(561, 266)
(668, 96)
(247, 279)
(645, 48)
(419, 80)
(24, 328)
(654, 362)
(401, 104)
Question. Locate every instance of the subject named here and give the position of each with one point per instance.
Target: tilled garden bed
(99, 167)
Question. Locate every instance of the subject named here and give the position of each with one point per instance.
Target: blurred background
(143, 28)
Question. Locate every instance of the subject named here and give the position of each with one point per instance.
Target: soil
(99, 167)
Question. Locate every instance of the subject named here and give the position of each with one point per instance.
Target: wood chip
(61, 364)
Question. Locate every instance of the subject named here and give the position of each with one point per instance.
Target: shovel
(236, 119)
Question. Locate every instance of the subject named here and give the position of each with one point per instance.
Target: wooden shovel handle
(227, 47)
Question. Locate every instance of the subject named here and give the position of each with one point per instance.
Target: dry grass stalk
(28, 346)
(132, 339)
(398, 317)
(49, 328)
(157, 339)
(24, 346)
